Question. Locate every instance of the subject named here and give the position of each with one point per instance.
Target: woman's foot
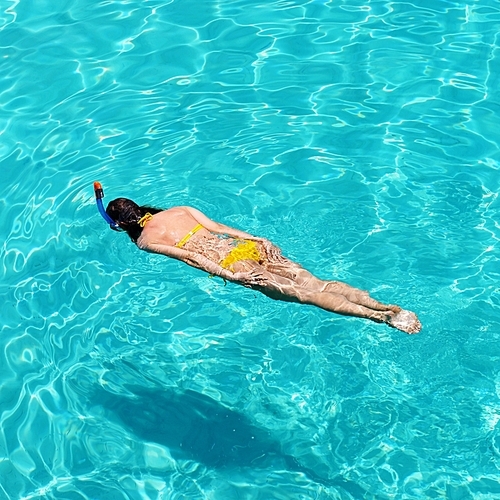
(406, 321)
(403, 320)
(394, 308)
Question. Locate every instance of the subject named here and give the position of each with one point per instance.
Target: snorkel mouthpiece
(99, 195)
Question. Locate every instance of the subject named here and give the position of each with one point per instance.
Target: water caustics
(361, 137)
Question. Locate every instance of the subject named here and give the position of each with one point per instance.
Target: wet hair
(127, 215)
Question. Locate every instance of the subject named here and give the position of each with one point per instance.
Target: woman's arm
(273, 252)
(216, 227)
(200, 262)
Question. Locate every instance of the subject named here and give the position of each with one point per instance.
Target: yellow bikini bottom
(245, 250)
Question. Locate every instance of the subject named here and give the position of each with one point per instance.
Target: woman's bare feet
(406, 321)
(394, 308)
(398, 318)
(383, 316)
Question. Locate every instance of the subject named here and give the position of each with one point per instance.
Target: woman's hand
(254, 277)
(273, 252)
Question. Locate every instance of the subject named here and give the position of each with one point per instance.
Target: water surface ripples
(361, 137)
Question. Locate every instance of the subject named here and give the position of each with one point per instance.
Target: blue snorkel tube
(99, 195)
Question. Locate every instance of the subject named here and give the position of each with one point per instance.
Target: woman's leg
(358, 296)
(307, 280)
(279, 287)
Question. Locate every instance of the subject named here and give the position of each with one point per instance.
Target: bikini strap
(144, 220)
(184, 240)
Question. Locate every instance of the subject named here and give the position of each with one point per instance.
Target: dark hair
(127, 215)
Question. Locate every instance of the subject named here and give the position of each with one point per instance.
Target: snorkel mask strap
(99, 195)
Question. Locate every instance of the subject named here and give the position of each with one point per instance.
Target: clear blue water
(361, 137)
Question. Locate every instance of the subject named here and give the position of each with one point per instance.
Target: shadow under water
(196, 427)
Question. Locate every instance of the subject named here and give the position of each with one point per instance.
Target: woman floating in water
(186, 234)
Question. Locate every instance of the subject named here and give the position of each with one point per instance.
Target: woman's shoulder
(166, 227)
(172, 212)
(175, 210)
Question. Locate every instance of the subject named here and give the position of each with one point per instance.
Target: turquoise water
(361, 137)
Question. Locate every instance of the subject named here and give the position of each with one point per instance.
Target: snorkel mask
(99, 195)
